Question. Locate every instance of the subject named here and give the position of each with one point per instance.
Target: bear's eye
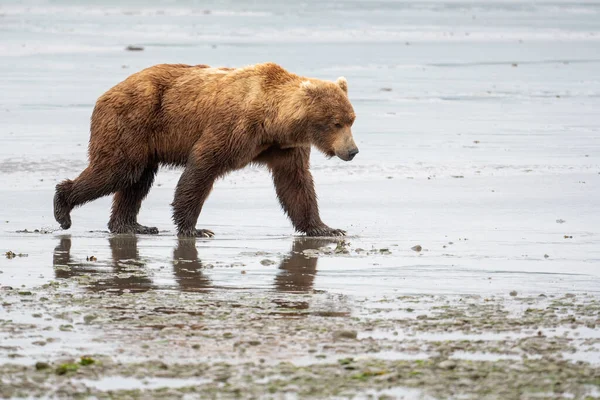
(338, 125)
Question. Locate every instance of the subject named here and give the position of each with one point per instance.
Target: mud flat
(62, 339)
(109, 328)
(472, 265)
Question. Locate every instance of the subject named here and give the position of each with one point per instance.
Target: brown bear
(211, 121)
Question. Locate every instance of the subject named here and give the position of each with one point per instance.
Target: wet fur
(210, 121)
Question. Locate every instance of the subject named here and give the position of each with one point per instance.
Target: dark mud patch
(248, 344)
(467, 379)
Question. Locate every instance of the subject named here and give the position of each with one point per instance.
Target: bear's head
(329, 117)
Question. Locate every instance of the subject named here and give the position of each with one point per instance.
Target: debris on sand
(513, 293)
(417, 248)
(134, 48)
(85, 360)
(386, 89)
(267, 262)
(66, 368)
(11, 254)
(568, 237)
(326, 250)
(342, 247)
(546, 256)
(560, 221)
(345, 334)
(43, 230)
(91, 258)
(40, 365)
(310, 253)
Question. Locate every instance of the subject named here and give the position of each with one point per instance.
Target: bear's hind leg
(127, 203)
(92, 183)
(62, 206)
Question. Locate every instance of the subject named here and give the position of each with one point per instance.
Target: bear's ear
(342, 83)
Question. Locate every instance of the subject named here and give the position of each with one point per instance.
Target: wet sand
(480, 143)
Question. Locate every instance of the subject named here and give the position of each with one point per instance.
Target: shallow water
(479, 140)
(121, 383)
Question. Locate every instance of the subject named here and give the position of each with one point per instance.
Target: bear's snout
(352, 153)
(345, 148)
(347, 155)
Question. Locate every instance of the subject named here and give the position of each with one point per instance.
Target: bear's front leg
(296, 191)
(193, 188)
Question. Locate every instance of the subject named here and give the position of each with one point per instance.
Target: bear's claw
(204, 233)
(133, 229)
(147, 230)
(325, 231)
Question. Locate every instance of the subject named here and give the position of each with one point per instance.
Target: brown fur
(211, 121)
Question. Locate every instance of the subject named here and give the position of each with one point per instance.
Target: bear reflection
(187, 267)
(296, 271)
(64, 266)
(126, 268)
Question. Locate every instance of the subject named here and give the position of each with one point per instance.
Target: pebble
(448, 364)
(41, 365)
(310, 252)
